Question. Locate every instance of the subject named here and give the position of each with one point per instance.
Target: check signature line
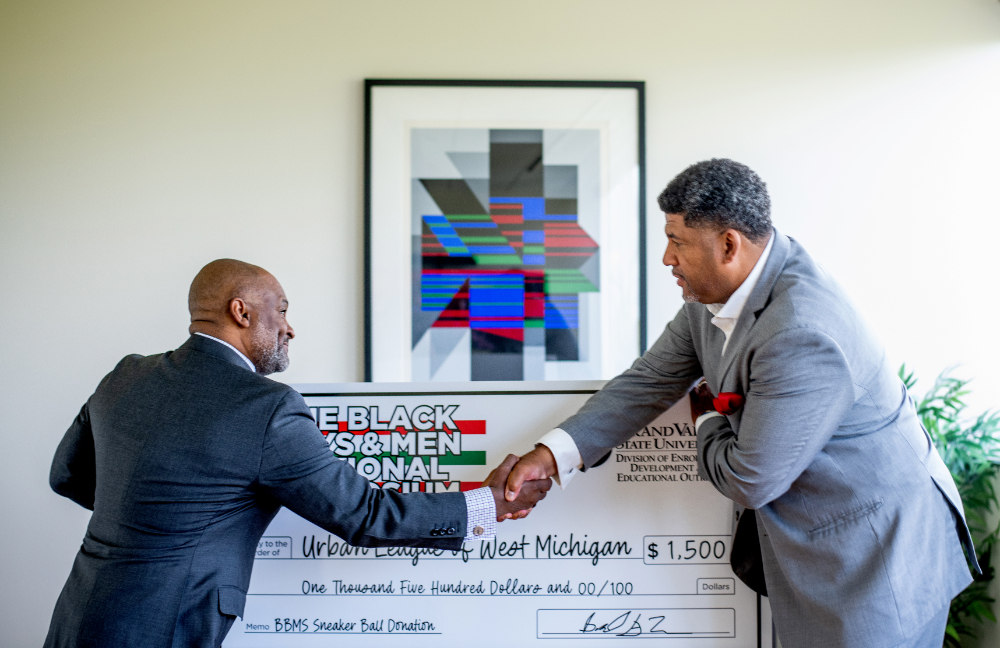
(655, 632)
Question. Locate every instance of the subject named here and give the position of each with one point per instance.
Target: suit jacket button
(451, 530)
(434, 532)
(479, 530)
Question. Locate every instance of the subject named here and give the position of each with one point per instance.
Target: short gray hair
(720, 192)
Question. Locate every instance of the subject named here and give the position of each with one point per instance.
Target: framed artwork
(504, 226)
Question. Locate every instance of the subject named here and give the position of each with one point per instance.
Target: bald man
(185, 457)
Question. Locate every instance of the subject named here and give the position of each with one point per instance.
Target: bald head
(221, 281)
(243, 305)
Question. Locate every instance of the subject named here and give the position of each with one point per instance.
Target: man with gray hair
(846, 516)
(185, 457)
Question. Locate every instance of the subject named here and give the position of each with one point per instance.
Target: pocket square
(727, 403)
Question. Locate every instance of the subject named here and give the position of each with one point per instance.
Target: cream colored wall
(140, 140)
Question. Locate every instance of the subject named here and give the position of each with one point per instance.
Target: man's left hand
(701, 400)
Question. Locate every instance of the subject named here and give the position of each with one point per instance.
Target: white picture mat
(395, 110)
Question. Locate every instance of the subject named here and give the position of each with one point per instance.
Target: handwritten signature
(620, 626)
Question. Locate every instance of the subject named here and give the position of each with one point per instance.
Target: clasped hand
(515, 480)
(530, 491)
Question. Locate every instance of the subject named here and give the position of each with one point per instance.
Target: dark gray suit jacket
(185, 458)
(859, 520)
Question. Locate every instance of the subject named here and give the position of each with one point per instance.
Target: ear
(732, 242)
(239, 310)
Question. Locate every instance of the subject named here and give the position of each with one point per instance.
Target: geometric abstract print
(501, 258)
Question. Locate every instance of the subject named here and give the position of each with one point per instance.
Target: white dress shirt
(725, 316)
(480, 506)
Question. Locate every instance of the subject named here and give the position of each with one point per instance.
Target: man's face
(270, 332)
(696, 255)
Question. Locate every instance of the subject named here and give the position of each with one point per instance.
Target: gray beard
(691, 298)
(269, 354)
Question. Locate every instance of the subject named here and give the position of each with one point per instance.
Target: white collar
(734, 305)
(245, 359)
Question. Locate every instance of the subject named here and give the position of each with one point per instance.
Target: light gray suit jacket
(860, 524)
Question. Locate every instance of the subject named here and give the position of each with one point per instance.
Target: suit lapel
(713, 338)
(755, 303)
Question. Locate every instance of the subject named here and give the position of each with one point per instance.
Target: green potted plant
(970, 448)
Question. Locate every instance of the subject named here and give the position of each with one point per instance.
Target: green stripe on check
(467, 458)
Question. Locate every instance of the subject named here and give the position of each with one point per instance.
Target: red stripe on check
(465, 427)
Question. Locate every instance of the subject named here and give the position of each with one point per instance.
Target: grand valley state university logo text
(409, 451)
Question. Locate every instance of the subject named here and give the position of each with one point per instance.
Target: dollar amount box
(685, 550)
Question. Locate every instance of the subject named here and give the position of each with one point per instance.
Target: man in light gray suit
(185, 457)
(859, 523)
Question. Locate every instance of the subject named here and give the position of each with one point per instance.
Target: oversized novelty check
(637, 548)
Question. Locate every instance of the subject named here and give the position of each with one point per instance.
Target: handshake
(521, 482)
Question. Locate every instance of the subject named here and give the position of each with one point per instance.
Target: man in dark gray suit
(859, 524)
(185, 458)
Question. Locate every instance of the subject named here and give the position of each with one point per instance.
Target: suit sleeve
(800, 390)
(74, 470)
(299, 470)
(655, 381)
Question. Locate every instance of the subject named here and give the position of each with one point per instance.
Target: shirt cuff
(704, 417)
(482, 512)
(567, 455)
